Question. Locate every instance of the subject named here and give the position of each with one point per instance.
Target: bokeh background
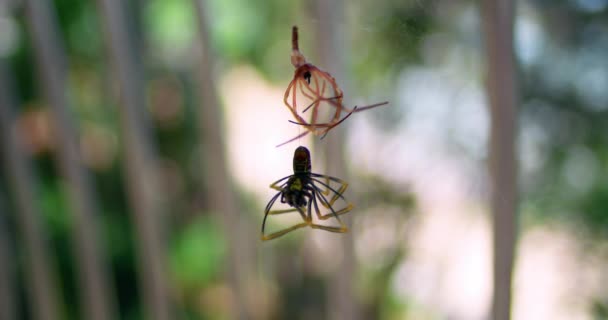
(138, 143)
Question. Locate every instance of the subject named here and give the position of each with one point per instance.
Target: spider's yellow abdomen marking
(296, 185)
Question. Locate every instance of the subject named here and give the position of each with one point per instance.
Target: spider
(301, 191)
(319, 88)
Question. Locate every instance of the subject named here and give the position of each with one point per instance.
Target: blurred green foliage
(192, 266)
(570, 184)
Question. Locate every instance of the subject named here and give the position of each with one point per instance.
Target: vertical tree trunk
(93, 280)
(7, 267)
(223, 201)
(330, 34)
(40, 267)
(497, 17)
(141, 167)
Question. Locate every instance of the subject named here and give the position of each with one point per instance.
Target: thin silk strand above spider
(302, 191)
(318, 91)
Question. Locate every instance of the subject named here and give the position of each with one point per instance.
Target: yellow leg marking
(340, 191)
(284, 231)
(338, 213)
(326, 192)
(342, 229)
(336, 196)
(282, 211)
(276, 186)
(301, 211)
(334, 214)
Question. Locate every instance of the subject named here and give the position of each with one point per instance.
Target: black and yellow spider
(302, 191)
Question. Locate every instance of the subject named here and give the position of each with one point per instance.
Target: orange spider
(317, 88)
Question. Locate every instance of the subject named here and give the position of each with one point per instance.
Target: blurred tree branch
(221, 195)
(141, 167)
(498, 19)
(40, 266)
(93, 274)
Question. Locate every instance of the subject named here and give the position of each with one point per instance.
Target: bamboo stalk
(141, 167)
(40, 266)
(93, 277)
(498, 19)
(220, 190)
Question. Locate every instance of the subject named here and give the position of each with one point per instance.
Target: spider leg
(319, 96)
(339, 106)
(309, 88)
(371, 106)
(340, 212)
(306, 125)
(293, 139)
(320, 99)
(320, 196)
(337, 193)
(327, 126)
(341, 229)
(337, 92)
(316, 108)
(303, 85)
(275, 185)
(292, 91)
(313, 71)
(299, 210)
(284, 231)
(268, 206)
(337, 123)
(305, 89)
(292, 88)
(286, 97)
(336, 103)
(274, 212)
(317, 175)
(326, 204)
(328, 188)
(315, 111)
(294, 107)
(315, 104)
(330, 79)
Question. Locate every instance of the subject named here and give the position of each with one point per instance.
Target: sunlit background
(206, 117)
